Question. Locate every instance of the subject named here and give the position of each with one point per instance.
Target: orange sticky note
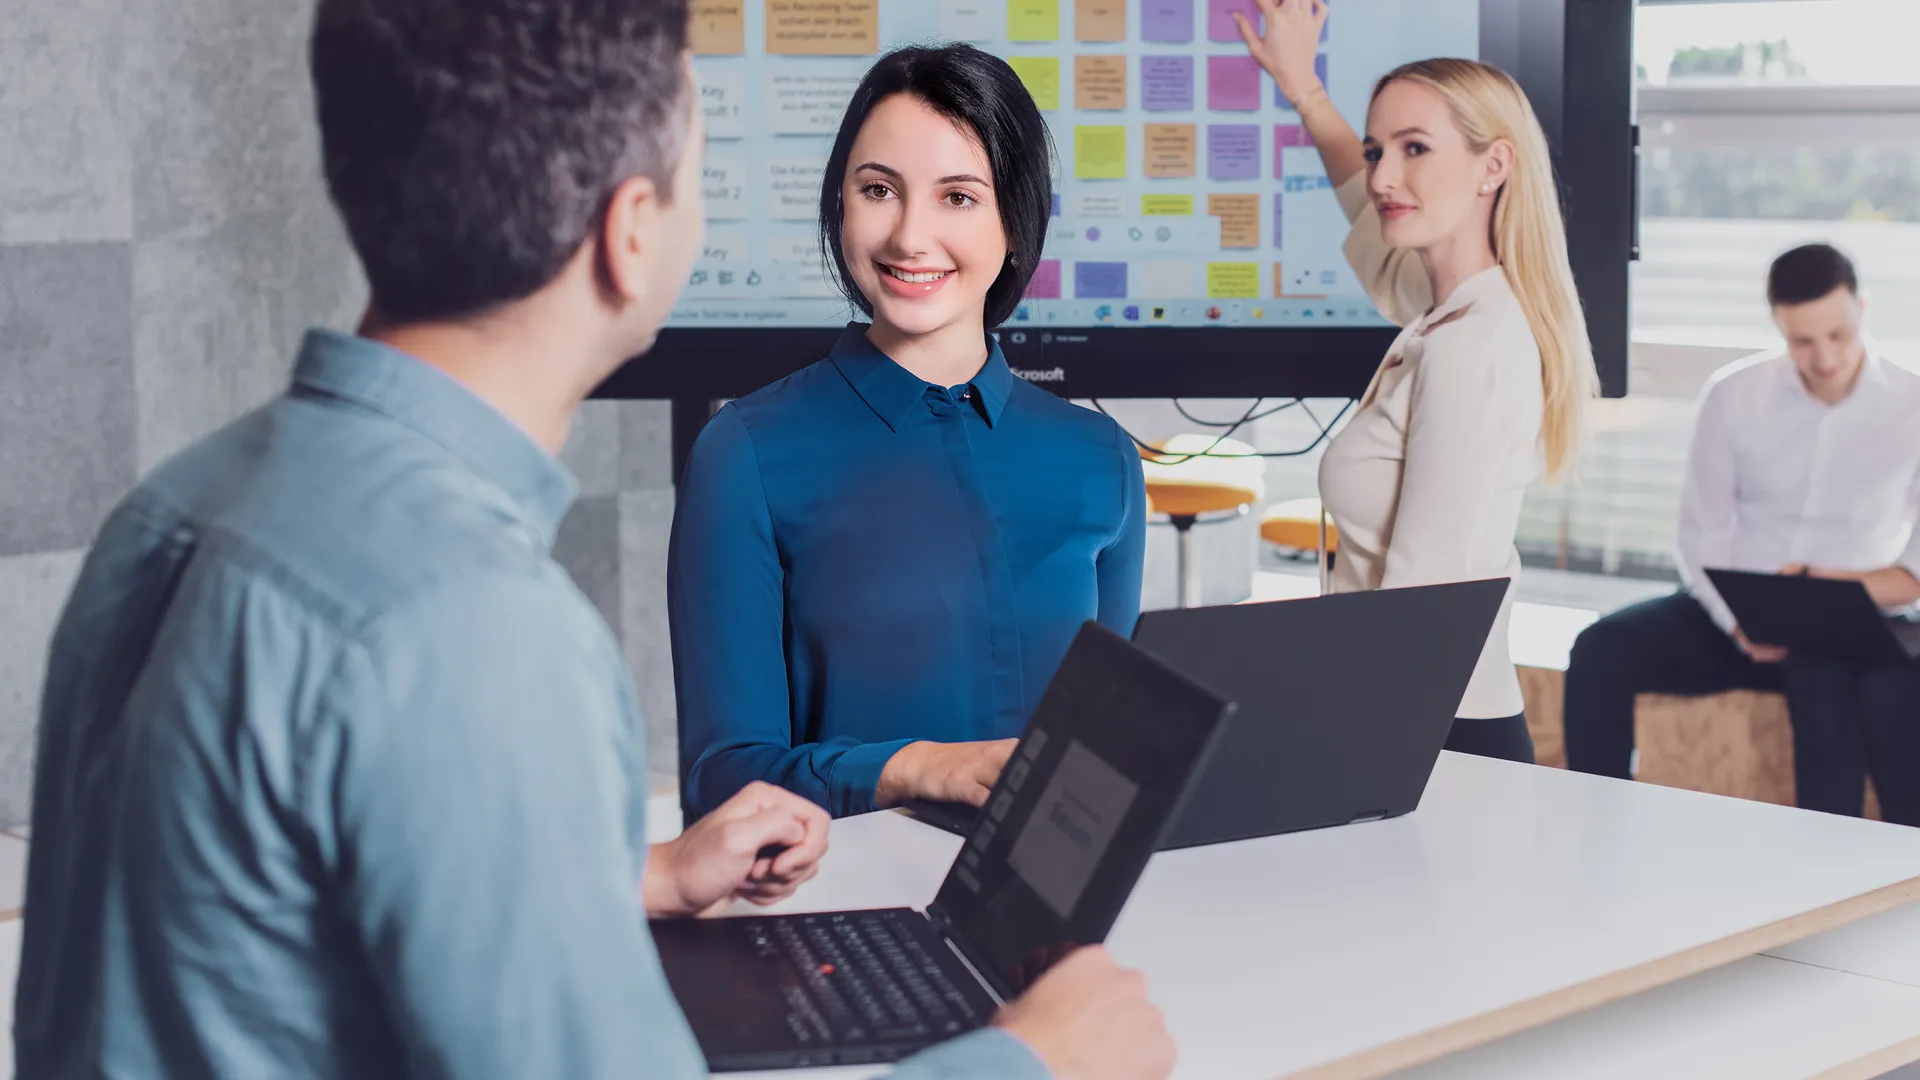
(717, 28)
(1099, 82)
(823, 27)
(1100, 20)
(1239, 219)
(1170, 150)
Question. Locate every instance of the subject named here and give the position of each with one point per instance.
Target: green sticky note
(1100, 153)
(1164, 205)
(1233, 281)
(1033, 20)
(1042, 76)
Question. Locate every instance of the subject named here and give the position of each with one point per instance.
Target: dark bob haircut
(471, 145)
(1808, 273)
(981, 93)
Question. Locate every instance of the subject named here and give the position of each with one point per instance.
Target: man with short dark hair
(339, 775)
(1810, 457)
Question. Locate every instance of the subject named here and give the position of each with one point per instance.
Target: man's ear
(628, 233)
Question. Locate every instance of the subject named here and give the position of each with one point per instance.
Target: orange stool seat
(1296, 524)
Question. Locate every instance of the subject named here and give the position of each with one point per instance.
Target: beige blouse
(1425, 481)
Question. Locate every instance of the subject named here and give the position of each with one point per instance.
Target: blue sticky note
(1100, 280)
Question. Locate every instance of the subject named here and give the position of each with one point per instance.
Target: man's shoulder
(1745, 377)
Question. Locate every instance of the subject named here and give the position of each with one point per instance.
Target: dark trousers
(1850, 722)
(1506, 737)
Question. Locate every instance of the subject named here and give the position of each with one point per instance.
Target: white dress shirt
(1777, 476)
(1425, 481)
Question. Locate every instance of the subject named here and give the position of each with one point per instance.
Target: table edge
(1876, 1064)
(1404, 1053)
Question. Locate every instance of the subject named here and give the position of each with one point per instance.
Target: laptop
(1344, 702)
(1101, 770)
(1816, 615)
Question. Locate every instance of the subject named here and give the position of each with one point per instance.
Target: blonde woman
(1457, 236)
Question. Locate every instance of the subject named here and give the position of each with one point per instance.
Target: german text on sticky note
(716, 28)
(1099, 204)
(1100, 153)
(1239, 219)
(723, 185)
(1166, 83)
(823, 27)
(793, 188)
(1166, 205)
(970, 20)
(1233, 151)
(1100, 20)
(1099, 82)
(810, 101)
(1033, 20)
(1041, 75)
(1166, 21)
(1220, 24)
(1233, 83)
(723, 98)
(1233, 281)
(1170, 150)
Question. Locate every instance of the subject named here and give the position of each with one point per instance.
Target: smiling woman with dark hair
(878, 562)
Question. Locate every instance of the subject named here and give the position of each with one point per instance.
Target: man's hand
(1287, 48)
(1759, 654)
(1089, 1019)
(1890, 587)
(758, 846)
(943, 772)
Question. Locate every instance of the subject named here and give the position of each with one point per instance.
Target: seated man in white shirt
(1807, 459)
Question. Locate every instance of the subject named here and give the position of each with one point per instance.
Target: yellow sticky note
(1239, 219)
(823, 27)
(1033, 20)
(716, 28)
(1041, 74)
(1100, 153)
(1233, 281)
(1166, 205)
(1171, 149)
(1099, 82)
(1100, 20)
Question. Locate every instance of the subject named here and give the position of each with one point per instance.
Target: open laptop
(1344, 702)
(1102, 769)
(1816, 615)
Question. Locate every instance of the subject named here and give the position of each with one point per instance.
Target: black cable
(1326, 431)
(1192, 419)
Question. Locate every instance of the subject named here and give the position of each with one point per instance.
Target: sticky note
(723, 96)
(1045, 283)
(1285, 137)
(1100, 153)
(1170, 150)
(1056, 204)
(723, 247)
(1166, 205)
(799, 249)
(1166, 279)
(1233, 152)
(810, 100)
(1100, 20)
(1099, 82)
(823, 27)
(1239, 219)
(793, 188)
(1233, 83)
(1100, 280)
(970, 20)
(1233, 281)
(1279, 206)
(1041, 74)
(723, 185)
(1033, 20)
(716, 28)
(1166, 21)
(1166, 83)
(1099, 204)
(1220, 25)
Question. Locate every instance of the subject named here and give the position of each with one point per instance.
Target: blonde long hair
(1529, 238)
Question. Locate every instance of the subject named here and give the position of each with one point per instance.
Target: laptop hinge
(976, 963)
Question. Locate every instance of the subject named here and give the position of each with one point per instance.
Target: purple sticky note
(1220, 24)
(1233, 152)
(1279, 201)
(1166, 20)
(1100, 280)
(1056, 204)
(1045, 284)
(1166, 83)
(1233, 83)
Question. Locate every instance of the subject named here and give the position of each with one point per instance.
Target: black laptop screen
(1077, 812)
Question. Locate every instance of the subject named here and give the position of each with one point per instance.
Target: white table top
(1513, 897)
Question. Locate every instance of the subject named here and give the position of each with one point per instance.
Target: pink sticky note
(1233, 83)
(1220, 25)
(1045, 283)
(1284, 136)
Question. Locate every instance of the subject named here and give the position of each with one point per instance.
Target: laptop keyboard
(863, 977)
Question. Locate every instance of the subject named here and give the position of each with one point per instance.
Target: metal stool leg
(1321, 553)
(1188, 593)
